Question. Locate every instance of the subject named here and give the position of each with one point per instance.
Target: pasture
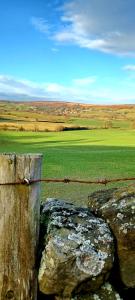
(55, 116)
(90, 154)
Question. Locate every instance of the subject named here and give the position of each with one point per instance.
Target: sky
(72, 50)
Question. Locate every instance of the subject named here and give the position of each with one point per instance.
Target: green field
(90, 154)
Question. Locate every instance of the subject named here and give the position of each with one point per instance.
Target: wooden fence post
(19, 226)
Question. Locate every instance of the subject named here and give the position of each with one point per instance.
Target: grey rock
(78, 251)
(117, 207)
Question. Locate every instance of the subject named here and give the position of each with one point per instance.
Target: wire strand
(103, 181)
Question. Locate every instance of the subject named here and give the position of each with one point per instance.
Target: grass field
(90, 154)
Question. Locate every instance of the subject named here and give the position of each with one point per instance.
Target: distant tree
(21, 128)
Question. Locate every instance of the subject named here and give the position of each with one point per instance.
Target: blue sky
(73, 50)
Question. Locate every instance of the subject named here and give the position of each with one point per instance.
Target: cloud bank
(11, 87)
(83, 90)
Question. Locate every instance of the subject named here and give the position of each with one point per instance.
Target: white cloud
(84, 81)
(129, 68)
(40, 24)
(54, 88)
(106, 26)
(12, 86)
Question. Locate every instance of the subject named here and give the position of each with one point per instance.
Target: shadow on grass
(22, 142)
(72, 158)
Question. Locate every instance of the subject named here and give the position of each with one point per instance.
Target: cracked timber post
(19, 226)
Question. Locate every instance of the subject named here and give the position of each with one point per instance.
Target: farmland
(89, 154)
(56, 116)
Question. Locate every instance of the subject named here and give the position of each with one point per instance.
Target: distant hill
(21, 114)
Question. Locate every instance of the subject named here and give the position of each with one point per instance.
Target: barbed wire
(103, 181)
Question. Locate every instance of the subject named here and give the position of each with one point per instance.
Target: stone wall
(88, 253)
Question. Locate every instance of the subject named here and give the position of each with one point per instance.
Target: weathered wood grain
(19, 226)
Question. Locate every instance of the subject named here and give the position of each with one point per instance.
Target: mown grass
(91, 154)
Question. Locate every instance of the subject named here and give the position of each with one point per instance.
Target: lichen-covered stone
(106, 292)
(78, 251)
(117, 207)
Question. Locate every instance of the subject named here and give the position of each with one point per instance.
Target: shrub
(21, 128)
